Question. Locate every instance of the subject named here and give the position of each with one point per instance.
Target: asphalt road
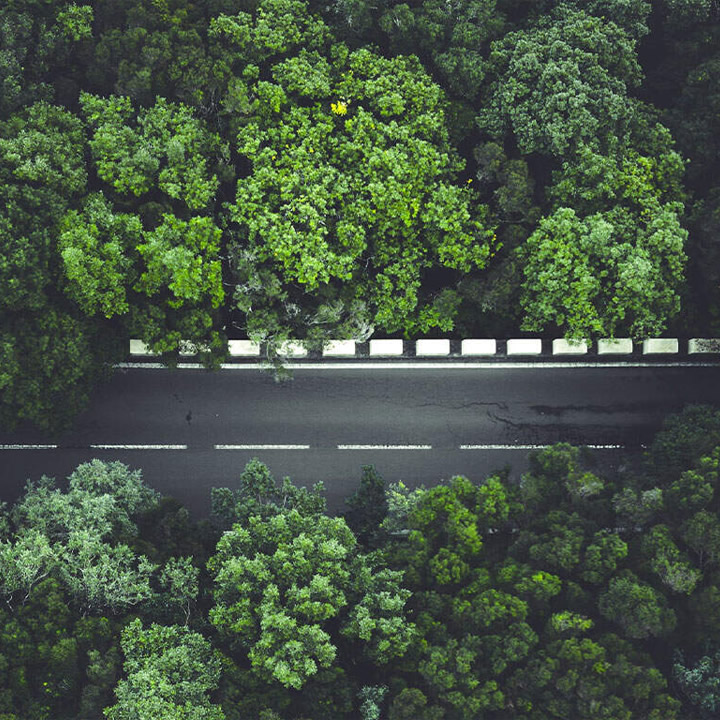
(446, 411)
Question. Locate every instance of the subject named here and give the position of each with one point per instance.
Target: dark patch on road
(559, 410)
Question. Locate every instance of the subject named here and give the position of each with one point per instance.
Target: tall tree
(282, 586)
(170, 672)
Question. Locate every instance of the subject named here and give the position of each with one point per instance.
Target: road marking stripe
(384, 447)
(307, 447)
(261, 447)
(139, 447)
(28, 447)
(450, 365)
(503, 447)
(534, 447)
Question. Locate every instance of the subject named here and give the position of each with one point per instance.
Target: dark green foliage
(700, 683)
(683, 440)
(368, 505)
(531, 70)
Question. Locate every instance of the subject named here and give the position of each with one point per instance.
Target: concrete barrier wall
(524, 346)
(243, 348)
(703, 345)
(665, 346)
(615, 346)
(385, 347)
(480, 346)
(433, 348)
(569, 347)
(340, 348)
(138, 347)
(469, 347)
(292, 350)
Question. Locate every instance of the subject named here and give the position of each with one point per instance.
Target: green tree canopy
(350, 193)
(283, 583)
(603, 274)
(164, 146)
(170, 672)
(97, 247)
(561, 83)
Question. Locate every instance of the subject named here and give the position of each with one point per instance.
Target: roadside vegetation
(565, 593)
(306, 170)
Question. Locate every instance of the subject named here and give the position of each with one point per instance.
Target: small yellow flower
(339, 108)
(469, 181)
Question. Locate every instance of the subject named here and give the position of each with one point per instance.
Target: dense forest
(565, 593)
(292, 169)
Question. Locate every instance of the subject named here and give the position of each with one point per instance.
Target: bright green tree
(170, 672)
(97, 247)
(73, 536)
(351, 193)
(582, 277)
(164, 146)
(182, 257)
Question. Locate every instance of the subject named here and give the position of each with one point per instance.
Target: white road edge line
(261, 447)
(384, 447)
(28, 447)
(139, 447)
(457, 365)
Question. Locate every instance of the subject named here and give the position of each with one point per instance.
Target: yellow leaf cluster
(339, 108)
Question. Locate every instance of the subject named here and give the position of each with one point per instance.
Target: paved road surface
(445, 411)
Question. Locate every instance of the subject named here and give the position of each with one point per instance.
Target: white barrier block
(660, 345)
(138, 347)
(187, 348)
(386, 346)
(560, 346)
(336, 348)
(524, 346)
(479, 347)
(616, 346)
(703, 345)
(432, 347)
(292, 349)
(246, 348)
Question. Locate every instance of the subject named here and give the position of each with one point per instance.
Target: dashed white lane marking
(139, 447)
(502, 447)
(28, 447)
(534, 447)
(261, 447)
(384, 447)
(607, 447)
(449, 365)
(307, 447)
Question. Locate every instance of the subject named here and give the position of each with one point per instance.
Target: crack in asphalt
(461, 406)
(505, 421)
